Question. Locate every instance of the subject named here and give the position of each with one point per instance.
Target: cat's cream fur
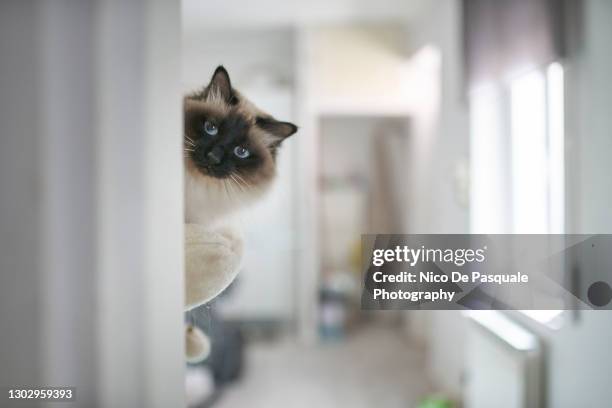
(210, 202)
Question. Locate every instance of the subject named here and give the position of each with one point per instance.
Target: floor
(375, 367)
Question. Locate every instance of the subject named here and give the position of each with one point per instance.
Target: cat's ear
(220, 84)
(277, 129)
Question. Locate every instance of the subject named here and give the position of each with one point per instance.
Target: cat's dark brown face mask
(227, 137)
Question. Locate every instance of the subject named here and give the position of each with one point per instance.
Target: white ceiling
(206, 14)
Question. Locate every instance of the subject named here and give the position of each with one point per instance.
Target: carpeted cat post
(212, 261)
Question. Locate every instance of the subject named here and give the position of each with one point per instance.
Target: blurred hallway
(374, 367)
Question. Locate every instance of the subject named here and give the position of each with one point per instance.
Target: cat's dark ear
(279, 130)
(220, 84)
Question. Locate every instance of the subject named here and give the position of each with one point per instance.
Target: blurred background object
(472, 116)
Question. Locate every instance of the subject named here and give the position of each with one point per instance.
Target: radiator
(504, 364)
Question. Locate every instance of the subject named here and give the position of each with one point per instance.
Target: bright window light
(554, 160)
(504, 328)
(556, 147)
(547, 317)
(529, 154)
(517, 156)
(486, 161)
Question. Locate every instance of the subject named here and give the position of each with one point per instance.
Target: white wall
(139, 207)
(439, 147)
(91, 254)
(20, 204)
(358, 69)
(250, 55)
(579, 357)
(592, 97)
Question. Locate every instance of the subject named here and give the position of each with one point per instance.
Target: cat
(230, 149)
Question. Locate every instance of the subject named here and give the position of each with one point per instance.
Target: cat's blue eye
(210, 128)
(241, 152)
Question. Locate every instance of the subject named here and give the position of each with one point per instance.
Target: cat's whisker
(244, 182)
(232, 189)
(244, 185)
(235, 180)
(226, 189)
(189, 139)
(237, 176)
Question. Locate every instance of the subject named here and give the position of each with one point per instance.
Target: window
(517, 154)
(517, 158)
(536, 131)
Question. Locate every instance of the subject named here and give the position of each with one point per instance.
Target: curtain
(503, 36)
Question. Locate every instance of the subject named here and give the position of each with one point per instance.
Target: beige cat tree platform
(212, 261)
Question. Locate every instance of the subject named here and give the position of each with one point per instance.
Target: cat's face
(227, 139)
